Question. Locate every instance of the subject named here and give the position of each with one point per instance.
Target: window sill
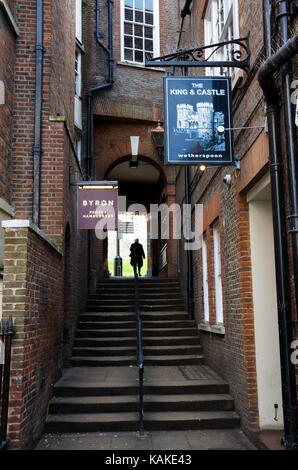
(217, 329)
(140, 66)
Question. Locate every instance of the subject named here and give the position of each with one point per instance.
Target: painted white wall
(265, 312)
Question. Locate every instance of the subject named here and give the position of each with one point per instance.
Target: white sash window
(139, 30)
(221, 24)
(205, 280)
(217, 275)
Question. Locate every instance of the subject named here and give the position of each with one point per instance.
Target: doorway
(139, 187)
(132, 225)
(265, 306)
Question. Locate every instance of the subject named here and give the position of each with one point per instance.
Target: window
(78, 86)
(79, 20)
(217, 274)
(221, 24)
(78, 147)
(2, 92)
(205, 279)
(78, 70)
(140, 30)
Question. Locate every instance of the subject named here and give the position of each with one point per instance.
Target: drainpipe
(109, 50)
(291, 146)
(185, 11)
(190, 299)
(270, 91)
(37, 150)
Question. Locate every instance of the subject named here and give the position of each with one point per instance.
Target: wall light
(134, 143)
(157, 135)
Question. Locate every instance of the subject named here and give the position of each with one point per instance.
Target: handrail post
(6, 331)
(140, 357)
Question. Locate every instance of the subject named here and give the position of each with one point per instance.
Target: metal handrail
(140, 355)
(6, 334)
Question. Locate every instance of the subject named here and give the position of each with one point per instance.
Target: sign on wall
(97, 208)
(195, 108)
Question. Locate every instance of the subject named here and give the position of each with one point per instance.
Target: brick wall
(44, 291)
(232, 355)
(33, 295)
(7, 63)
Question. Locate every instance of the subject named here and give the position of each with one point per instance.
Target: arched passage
(139, 188)
(150, 183)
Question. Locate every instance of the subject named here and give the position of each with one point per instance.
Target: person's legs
(139, 268)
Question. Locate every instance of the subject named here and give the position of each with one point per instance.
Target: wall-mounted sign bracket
(96, 184)
(238, 51)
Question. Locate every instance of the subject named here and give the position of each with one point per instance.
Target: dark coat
(137, 254)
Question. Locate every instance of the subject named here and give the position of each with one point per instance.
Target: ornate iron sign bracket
(238, 52)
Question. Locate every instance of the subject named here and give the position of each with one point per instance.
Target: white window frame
(156, 33)
(78, 90)
(215, 34)
(78, 74)
(79, 20)
(78, 147)
(205, 280)
(217, 274)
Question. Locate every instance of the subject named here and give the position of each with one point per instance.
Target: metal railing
(140, 355)
(6, 334)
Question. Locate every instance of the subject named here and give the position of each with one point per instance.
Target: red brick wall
(62, 64)
(34, 273)
(33, 295)
(233, 355)
(7, 63)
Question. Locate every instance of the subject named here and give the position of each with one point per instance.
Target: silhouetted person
(136, 256)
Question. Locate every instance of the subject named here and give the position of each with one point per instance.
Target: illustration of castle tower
(183, 113)
(205, 118)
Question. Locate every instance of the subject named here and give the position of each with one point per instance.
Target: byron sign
(198, 121)
(97, 208)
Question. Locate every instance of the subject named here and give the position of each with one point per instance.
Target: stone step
(105, 342)
(172, 360)
(128, 332)
(153, 421)
(150, 300)
(105, 351)
(105, 316)
(104, 361)
(97, 389)
(182, 350)
(158, 307)
(142, 280)
(106, 333)
(166, 328)
(103, 404)
(131, 295)
(132, 341)
(116, 361)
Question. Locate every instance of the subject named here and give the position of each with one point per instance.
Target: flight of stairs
(100, 390)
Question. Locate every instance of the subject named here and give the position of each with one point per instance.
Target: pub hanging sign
(97, 206)
(198, 121)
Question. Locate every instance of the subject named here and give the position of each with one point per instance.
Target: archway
(141, 187)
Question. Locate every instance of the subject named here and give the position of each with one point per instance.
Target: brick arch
(143, 158)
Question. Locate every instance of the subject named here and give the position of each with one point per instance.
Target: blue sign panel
(198, 120)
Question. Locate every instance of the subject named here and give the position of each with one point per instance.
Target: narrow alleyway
(99, 393)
